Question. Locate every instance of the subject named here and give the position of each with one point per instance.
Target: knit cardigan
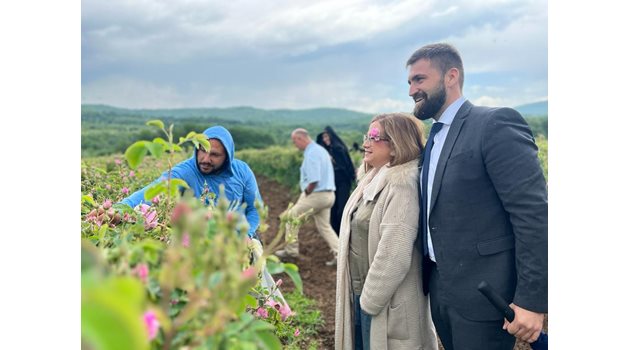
(392, 293)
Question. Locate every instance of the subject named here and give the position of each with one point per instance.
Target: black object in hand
(501, 305)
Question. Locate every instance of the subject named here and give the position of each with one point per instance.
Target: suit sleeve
(250, 196)
(393, 256)
(510, 156)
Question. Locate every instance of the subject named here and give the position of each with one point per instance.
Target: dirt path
(318, 279)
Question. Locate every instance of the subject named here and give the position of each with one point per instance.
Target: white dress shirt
(438, 142)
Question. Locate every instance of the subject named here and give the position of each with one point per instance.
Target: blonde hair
(405, 134)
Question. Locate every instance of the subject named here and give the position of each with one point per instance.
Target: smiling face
(377, 148)
(209, 162)
(427, 89)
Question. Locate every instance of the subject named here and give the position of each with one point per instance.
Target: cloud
(303, 54)
(132, 93)
(173, 31)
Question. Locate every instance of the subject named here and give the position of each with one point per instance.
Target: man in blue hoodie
(208, 170)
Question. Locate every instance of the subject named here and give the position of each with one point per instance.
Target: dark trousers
(342, 193)
(457, 332)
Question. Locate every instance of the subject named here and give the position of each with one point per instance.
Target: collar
(449, 114)
(376, 183)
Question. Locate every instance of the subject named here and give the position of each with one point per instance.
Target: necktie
(426, 159)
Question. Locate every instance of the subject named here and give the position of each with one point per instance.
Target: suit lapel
(453, 133)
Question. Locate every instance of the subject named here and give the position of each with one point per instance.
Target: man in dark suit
(486, 210)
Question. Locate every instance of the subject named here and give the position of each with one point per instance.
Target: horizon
(265, 109)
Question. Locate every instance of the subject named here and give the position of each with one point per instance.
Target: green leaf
(135, 153)
(247, 301)
(292, 271)
(259, 326)
(191, 135)
(111, 314)
(156, 148)
(275, 268)
(269, 341)
(157, 123)
(174, 186)
(154, 190)
(100, 170)
(102, 231)
(161, 141)
(123, 208)
(89, 199)
(204, 142)
(176, 148)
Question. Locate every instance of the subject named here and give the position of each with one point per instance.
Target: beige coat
(392, 292)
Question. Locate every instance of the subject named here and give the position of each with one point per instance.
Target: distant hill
(533, 109)
(245, 115)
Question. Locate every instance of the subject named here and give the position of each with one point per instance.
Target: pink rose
(107, 204)
(248, 273)
(150, 216)
(262, 312)
(125, 191)
(285, 311)
(151, 323)
(181, 209)
(142, 271)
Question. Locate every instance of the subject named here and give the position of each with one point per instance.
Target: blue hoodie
(238, 179)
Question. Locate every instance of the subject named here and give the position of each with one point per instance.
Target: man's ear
(451, 78)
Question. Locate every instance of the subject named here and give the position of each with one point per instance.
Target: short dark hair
(442, 56)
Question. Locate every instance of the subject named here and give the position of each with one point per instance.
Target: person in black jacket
(484, 210)
(345, 173)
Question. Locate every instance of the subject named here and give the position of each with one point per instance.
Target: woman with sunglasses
(379, 301)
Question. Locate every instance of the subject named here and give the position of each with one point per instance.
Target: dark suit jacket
(489, 213)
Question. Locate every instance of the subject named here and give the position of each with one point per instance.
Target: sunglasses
(370, 139)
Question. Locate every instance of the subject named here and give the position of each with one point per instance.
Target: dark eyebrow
(416, 77)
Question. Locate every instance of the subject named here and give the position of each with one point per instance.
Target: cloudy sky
(304, 54)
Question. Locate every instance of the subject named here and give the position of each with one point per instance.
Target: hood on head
(222, 134)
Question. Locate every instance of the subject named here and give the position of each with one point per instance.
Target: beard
(429, 106)
(207, 168)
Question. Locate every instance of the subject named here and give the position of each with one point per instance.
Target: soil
(318, 279)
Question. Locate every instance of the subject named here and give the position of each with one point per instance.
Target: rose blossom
(262, 312)
(151, 323)
(142, 271)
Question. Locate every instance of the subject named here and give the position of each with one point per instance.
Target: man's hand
(309, 189)
(526, 326)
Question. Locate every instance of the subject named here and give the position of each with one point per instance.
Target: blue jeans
(362, 323)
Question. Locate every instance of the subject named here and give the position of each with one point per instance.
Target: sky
(304, 54)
